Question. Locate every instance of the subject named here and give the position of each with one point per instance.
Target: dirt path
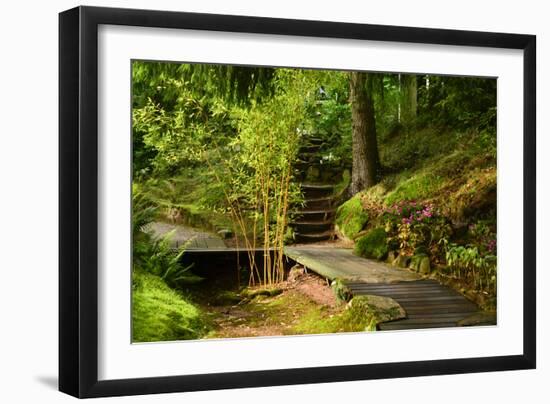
(302, 297)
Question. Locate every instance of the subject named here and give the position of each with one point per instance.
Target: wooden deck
(428, 304)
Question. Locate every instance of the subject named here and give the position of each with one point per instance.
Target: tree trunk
(366, 162)
(408, 98)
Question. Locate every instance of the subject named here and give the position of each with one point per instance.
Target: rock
(376, 309)
(225, 233)
(373, 244)
(402, 261)
(414, 263)
(420, 263)
(342, 292)
(295, 273)
(226, 298)
(268, 292)
(313, 173)
(425, 267)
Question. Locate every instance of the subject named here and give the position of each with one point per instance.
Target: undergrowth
(160, 313)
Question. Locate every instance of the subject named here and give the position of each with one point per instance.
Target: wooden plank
(463, 314)
(427, 303)
(431, 300)
(437, 304)
(399, 290)
(412, 285)
(429, 320)
(396, 326)
(410, 293)
(448, 308)
(408, 284)
(407, 290)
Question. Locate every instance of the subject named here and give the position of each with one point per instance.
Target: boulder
(425, 267)
(373, 244)
(402, 261)
(295, 273)
(341, 291)
(313, 173)
(376, 309)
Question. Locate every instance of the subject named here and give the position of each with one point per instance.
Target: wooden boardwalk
(185, 235)
(428, 304)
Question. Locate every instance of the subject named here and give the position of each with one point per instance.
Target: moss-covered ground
(307, 306)
(160, 313)
(455, 171)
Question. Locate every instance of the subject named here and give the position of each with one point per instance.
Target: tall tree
(366, 162)
(408, 101)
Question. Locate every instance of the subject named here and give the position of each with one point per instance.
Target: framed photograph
(250, 201)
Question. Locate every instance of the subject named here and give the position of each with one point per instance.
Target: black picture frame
(78, 201)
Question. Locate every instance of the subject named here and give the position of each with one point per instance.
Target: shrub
(373, 244)
(467, 262)
(160, 313)
(412, 225)
(160, 259)
(351, 218)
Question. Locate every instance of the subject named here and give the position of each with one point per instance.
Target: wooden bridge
(428, 304)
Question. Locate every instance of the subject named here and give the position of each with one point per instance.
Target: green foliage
(178, 137)
(261, 175)
(161, 314)
(155, 255)
(413, 225)
(143, 211)
(351, 218)
(360, 314)
(160, 259)
(328, 115)
(465, 102)
(342, 186)
(467, 262)
(373, 244)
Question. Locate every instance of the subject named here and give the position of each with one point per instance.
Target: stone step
(315, 141)
(317, 186)
(313, 237)
(325, 202)
(311, 191)
(305, 226)
(309, 158)
(314, 214)
(309, 149)
(302, 164)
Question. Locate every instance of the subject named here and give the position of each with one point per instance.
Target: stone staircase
(314, 221)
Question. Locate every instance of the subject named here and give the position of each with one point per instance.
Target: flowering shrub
(412, 224)
(481, 234)
(409, 212)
